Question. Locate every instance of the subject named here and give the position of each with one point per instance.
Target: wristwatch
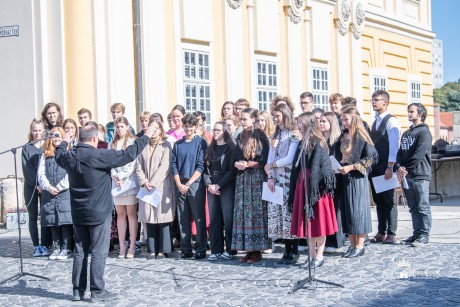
(389, 167)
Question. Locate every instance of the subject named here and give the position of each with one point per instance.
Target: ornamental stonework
(343, 16)
(358, 17)
(234, 4)
(294, 9)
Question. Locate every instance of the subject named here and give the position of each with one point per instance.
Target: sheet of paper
(127, 185)
(405, 185)
(273, 197)
(335, 164)
(152, 197)
(381, 185)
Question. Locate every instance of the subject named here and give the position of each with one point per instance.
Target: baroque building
(200, 53)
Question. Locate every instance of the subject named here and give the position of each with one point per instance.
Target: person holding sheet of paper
(312, 176)
(125, 176)
(385, 133)
(414, 163)
(355, 151)
(330, 128)
(154, 175)
(283, 145)
(219, 178)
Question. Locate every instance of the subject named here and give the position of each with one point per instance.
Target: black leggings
(292, 246)
(31, 195)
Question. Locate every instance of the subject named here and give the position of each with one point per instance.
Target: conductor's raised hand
(66, 137)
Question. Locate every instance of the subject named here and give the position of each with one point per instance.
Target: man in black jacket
(88, 169)
(414, 163)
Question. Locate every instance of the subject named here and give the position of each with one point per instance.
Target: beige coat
(154, 167)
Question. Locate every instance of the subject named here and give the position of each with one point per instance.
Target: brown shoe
(255, 257)
(378, 238)
(390, 239)
(245, 258)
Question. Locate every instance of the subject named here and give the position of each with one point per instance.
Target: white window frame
(320, 78)
(379, 76)
(267, 81)
(200, 86)
(414, 88)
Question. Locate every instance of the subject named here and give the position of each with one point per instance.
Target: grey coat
(154, 167)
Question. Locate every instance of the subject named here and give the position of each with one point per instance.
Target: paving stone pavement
(387, 275)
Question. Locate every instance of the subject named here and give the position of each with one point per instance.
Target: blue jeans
(417, 197)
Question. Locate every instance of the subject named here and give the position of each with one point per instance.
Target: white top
(394, 134)
(127, 171)
(44, 182)
(289, 158)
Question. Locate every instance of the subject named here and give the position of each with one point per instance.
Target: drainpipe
(138, 58)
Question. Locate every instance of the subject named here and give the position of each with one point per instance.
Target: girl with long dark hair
(250, 219)
(126, 203)
(219, 178)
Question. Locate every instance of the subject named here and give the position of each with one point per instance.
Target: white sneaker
(55, 254)
(214, 257)
(37, 252)
(302, 248)
(330, 250)
(227, 256)
(63, 255)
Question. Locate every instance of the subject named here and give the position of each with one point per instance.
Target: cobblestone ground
(388, 275)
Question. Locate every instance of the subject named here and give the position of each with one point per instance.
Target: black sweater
(89, 178)
(30, 159)
(415, 152)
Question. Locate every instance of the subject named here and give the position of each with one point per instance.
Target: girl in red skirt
(312, 198)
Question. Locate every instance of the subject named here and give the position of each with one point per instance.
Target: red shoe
(245, 258)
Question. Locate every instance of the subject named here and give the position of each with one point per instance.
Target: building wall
(80, 53)
(396, 45)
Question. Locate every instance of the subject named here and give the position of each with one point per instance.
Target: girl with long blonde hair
(356, 153)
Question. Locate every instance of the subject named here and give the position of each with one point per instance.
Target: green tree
(448, 96)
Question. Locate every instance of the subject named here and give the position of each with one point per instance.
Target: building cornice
(392, 25)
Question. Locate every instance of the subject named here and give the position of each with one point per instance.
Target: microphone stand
(311, 281)
(21, 268)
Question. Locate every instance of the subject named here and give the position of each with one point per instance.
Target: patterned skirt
(250, 220)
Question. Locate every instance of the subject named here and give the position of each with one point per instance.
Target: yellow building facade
(201, 53)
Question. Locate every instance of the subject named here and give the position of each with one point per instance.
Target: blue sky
(445, 21)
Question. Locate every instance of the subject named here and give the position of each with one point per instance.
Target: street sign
(6, 31)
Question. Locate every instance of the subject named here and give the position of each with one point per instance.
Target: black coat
(228, 170)
(55, 209)
(89, 178)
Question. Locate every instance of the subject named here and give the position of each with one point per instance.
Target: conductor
(88, 169)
